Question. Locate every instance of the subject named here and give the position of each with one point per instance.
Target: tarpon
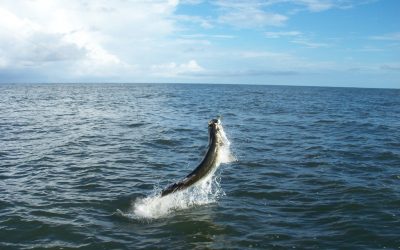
(209, 163)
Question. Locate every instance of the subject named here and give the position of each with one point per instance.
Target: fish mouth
(215, 129)
(214, 126)
(213, 122)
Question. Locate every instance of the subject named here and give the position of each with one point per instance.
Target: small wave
(325, 121)
(166, 142)
(387, 155)
(135, 125)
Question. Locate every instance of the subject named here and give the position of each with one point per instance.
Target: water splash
(155, 206)
(206, 191)
(225, 155)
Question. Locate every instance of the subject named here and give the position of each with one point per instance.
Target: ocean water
(82, 166)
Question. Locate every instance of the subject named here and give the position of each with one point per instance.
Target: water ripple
(317, 167)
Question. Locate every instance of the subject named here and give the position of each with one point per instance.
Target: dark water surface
(317, 167)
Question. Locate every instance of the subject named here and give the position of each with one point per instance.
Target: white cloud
(391, 67)
(26, 43)
(245, 73)
(262, 13)
(387, 37)
(297, 37)
(369, 48)
(191, 2)
(252, 18)
(3, 62)
(204, 22)
(280, 34)
(316, 5)
(309, 44)
(266, 54)
(86, 37)
(173, 69)
(249, 14)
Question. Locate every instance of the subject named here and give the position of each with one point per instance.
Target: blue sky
(292, 42)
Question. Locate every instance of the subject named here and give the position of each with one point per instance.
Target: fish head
(216, 131)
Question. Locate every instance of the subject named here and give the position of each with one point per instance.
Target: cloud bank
(81, 37)
(184, 41)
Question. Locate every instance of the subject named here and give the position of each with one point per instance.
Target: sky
(344, 43)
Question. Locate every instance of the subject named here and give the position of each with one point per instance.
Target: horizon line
(200, 83)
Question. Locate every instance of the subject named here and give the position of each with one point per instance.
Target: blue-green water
(316, 167)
